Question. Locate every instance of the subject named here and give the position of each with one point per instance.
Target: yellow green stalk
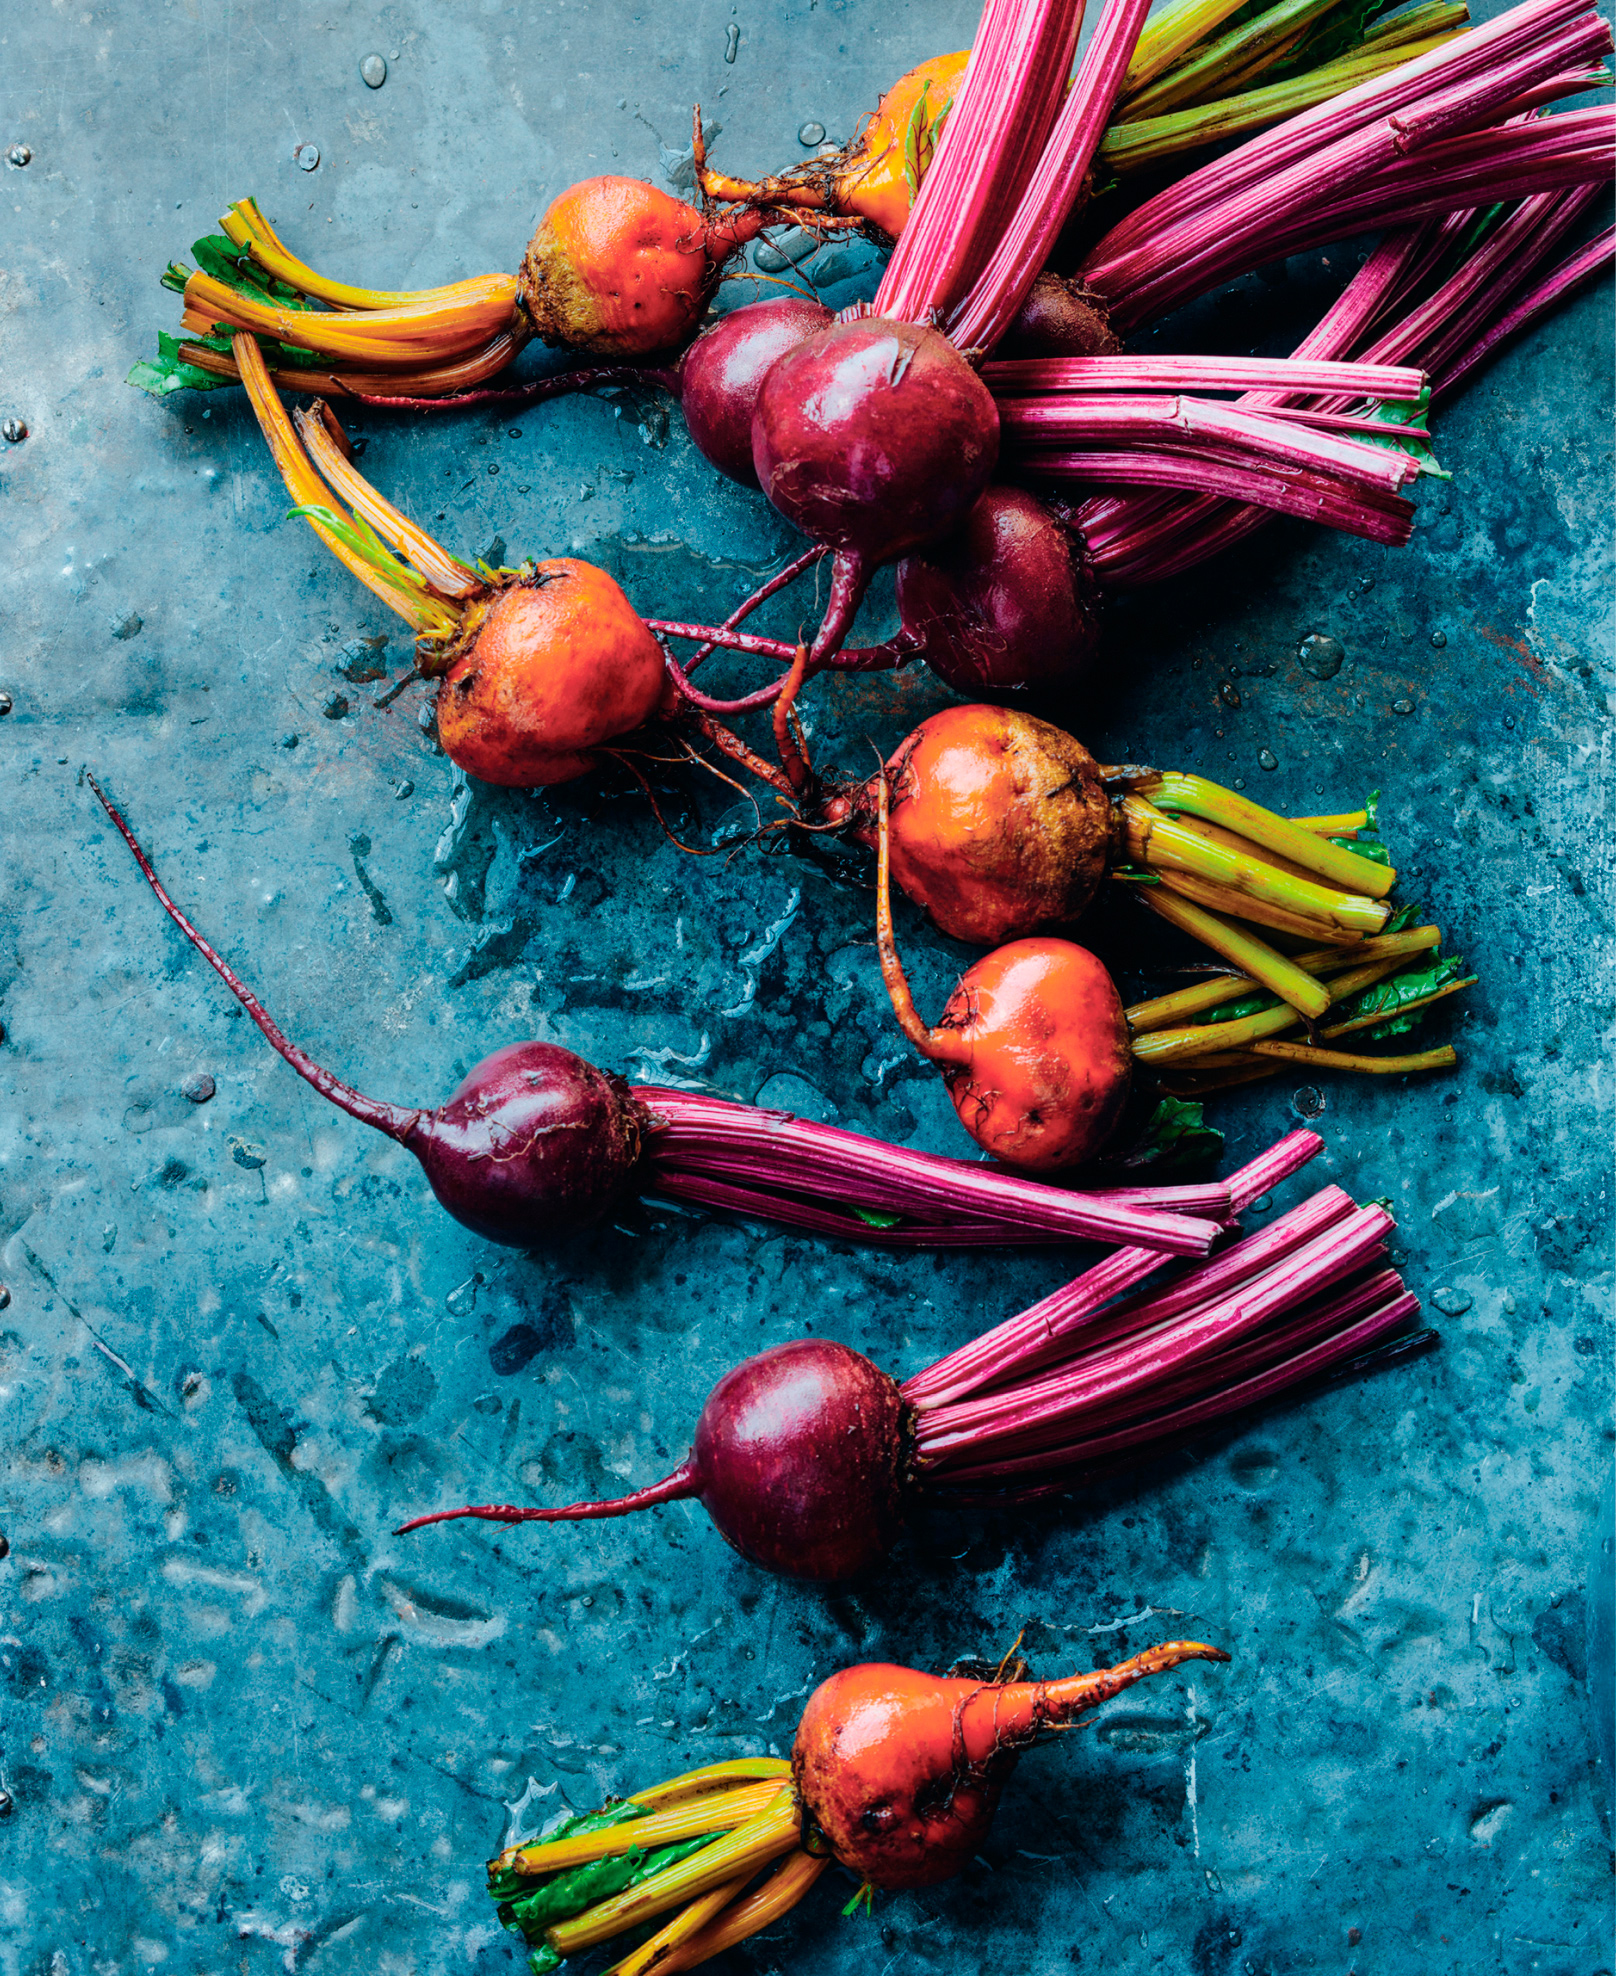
(711, 1811)
(1231, 55)
(1214, 1038)
(737, 1855)
(246, 226)
(1195, 796)
(1170, 35)
(1163, 1011)
(1441, 1058)
(760, 1909)
(1238, 944)
(712, 1777)
(654, 1954)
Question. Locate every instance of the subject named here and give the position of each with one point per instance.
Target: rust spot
(1517, 650)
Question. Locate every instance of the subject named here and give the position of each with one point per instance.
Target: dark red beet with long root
(536, 1143)
(807, 1457)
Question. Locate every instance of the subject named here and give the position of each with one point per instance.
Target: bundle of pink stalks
(1114, 1362)
(1498, 290)
(712, 1153)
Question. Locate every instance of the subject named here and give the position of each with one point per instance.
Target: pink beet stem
(1038, 1334)
(1066, 1334)
(1571, 274)
(1030, 232)
(1260, 160)
(1005, 107)
(761, 595)
(1044, 376)
(829, 1165)
(1041, 1408)
(1252, 1391)
(397, 1121)
(682, 1483)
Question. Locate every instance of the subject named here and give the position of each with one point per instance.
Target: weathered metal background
(244, 1727)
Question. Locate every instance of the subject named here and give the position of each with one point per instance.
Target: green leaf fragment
(560, 1896)
(357, 534)
(1404, 918)
(878, 1217)
(1400, 998)
(543, 1960)
(1418, 450)
(1364, 846)
(168, 371)
(1176, 1138)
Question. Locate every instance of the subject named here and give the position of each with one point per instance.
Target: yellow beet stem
(1213, 1038)
(1438, 1059)
(1224, 899)
(1332, 826)
(1162, 842)
(777, 1896)
(1195, 796)
(738, 1854)
(714, 1777)
(1238, 944)
(1145, 141)
(1162, 1011)
(1214, 833)
(1228, 57)
(246, 226)
(1425, 1001)
(450, 578)
(1169, 36)
(383, 336)
(689, 1921)
(1437, 17)
(307, 489)
(937, 1045)
(713, 1811)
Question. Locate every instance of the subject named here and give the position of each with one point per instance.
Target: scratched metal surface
(245, 1728)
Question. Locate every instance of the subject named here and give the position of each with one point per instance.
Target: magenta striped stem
(1040, 1414)
(1037, 1335)
(1467, 56)
(1036, 377)
(1571, 275)
(1030, 233)
(697, 1141)
(1007, 102)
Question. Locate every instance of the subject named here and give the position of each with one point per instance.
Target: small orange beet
(901, 1771)
(622, 269)
(554, 667)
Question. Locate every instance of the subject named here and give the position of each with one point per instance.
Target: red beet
(1004, 603)
(1059, 319)
(874, 437)
(720, 375)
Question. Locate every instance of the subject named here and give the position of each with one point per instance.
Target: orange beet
(554, 667)
(1000, 823)
(621, 269)
(873, 181)
(901, 1771)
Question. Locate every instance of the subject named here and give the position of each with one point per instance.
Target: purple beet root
(1060, 319)
(874, 437)
(722, 372)
(1005, 603)
(800, 1459)
(535, 1143)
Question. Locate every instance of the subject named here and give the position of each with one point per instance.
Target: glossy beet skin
(722, 372)
(618, 268)
(901, 1771)
(800, 1457)
(1047, 1059)
(873, 437)
(1001, 824)
(555, 666)
(535, 1143)
(1005, 602)
(1060, 319)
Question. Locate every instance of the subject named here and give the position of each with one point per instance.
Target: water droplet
(1262, 1204)
(1267, 759)
(1322, 656)
(5, 1295)
(402, 790)
(732, 41)
(306, 157)
(1402, 706)
(1229, 695)
(1366, 583)
(1240, 782)
(462, 1299)
(1308, 1101)
(1439, 639)
(785, 249)
(334, 705)
(5, 705)
(493, 466)
(288, 741)
(15, 432)
(1451, 1302)
(514, 433)
(811, 134)
(5, 1796)
(425, 718)
(373, 71)
(1509, 720)
(19, 155)
(199, 1088)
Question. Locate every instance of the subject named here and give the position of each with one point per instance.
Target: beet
(1006, 602)
(1060, 318)
(874, 437)
(722, 372)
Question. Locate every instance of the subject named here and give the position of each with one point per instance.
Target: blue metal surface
(245, 1728)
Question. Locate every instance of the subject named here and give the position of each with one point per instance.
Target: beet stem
(396, 1121)
(680, 1485)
